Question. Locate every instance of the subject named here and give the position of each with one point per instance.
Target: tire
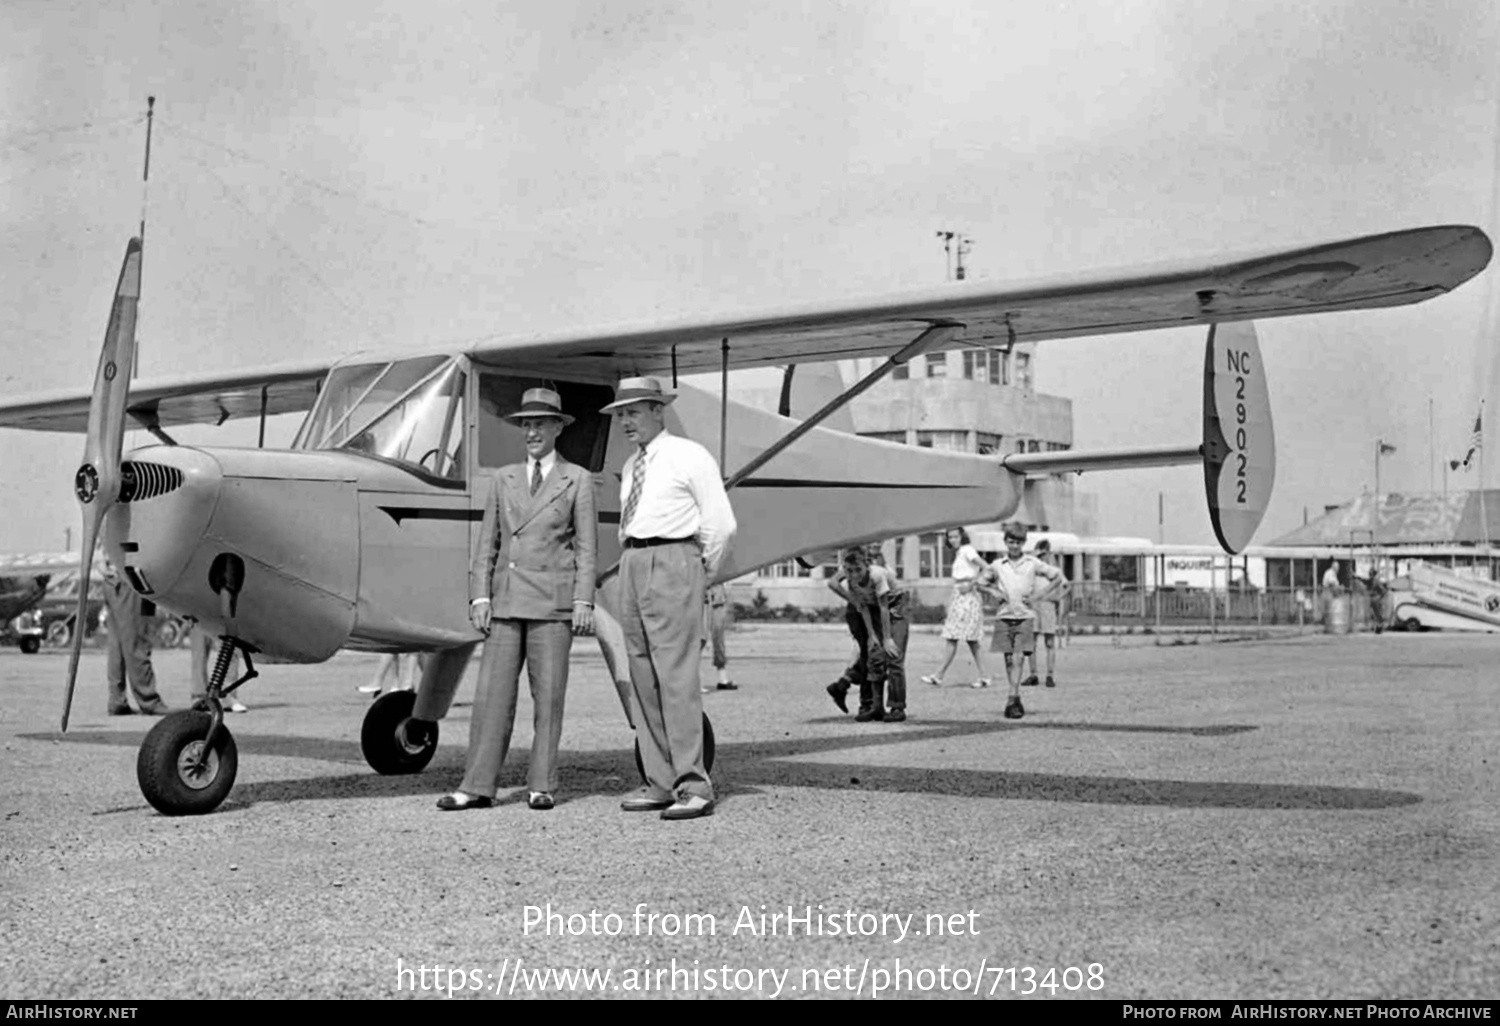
(59, 634)
(708, 750)
(383, 737)
(163, 766)
(31, 644)
(169, 634)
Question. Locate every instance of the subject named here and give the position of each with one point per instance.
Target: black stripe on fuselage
(400, 513)
(786, 482)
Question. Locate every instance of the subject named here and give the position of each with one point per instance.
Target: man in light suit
(531, 587)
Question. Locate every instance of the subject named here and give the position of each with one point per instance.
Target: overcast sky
(335, 175)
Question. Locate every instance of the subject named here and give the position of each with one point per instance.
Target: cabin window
(352, 397)
(423, 428)
(409, 412)
(501, 441)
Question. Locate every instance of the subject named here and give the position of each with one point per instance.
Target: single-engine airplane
(359, 535)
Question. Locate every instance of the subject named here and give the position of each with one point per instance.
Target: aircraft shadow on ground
(747, 766)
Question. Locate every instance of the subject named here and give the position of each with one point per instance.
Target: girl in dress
(965, 619)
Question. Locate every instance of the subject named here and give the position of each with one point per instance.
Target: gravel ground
(1310, 817)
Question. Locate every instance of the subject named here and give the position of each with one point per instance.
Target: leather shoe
(866, 715)
(124, 710)
(1030, 682)
(540, 800)
(840, 695)
(458, 801)
(645, 801)
(1014, 710)
(895, 716)
(727, 685)
(689, 806)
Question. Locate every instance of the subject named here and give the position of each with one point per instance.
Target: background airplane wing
(37, 562)
(1391, 269)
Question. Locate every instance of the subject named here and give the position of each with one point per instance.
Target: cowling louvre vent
(140, 481)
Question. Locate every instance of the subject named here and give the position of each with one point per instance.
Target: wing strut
(723, 399)
(929, 339)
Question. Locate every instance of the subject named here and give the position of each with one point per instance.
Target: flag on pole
(1386, 448)
(1476, 439)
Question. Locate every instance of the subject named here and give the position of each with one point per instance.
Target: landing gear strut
(188, 761)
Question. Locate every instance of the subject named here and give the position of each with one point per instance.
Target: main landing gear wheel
(708, 750)
(173, 773)
(389, 747)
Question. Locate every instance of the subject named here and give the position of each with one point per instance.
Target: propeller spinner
(97, 483)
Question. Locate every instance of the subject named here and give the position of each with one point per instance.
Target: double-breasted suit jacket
(534, 559)
(535, 555)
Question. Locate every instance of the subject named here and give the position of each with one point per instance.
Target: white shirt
(967, 563)
(548, 462)
(1017, 579)
(682, 496)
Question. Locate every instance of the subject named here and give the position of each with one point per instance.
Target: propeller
(97, 483)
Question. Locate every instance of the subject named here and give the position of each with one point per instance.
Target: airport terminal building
(976, 400)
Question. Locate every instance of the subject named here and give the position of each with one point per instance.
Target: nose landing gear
(188, 761)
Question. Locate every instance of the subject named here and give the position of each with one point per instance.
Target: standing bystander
(676, 526)
(1015, 577)
(129, 654)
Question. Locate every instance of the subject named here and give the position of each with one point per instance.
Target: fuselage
(356, 539)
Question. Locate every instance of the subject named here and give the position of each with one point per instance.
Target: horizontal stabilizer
(1077, 461)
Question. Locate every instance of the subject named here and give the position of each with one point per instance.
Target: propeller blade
(97, 483)
(93, 518)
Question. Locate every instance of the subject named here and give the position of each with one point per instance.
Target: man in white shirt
(1015, 577)
(676, 525)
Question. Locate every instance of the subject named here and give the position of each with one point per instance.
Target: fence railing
(1106, 603)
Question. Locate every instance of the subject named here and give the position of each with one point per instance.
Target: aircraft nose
(167, 496)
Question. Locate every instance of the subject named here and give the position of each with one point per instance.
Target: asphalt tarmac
(1312, 817)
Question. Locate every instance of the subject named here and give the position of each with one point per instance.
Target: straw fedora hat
(540, 402)
(639, 390)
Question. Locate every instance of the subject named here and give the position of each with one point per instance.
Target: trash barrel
(1337, 617)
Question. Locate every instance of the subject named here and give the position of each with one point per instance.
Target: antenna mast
(146, 168)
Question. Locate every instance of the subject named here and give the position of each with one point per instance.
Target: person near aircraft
(129, 652)
(676, 526)
(398, 671)
(1047, 602)
(854, 674)
(1014, 577)
(880, 629)
(965, 618)
(531, 584)
(200, 649)
(715, 622)
(1377, 589)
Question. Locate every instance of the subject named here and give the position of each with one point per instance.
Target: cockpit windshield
(406, 411)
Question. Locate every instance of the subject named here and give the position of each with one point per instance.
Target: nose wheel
(182, 770)
(188, 761)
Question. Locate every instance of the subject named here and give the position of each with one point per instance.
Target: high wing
(210, 398)
(1391, 269)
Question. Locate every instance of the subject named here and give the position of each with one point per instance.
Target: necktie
(634, 498)
(536, 476)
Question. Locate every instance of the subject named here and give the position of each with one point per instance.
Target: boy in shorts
(1015, 577)
(1047, 602)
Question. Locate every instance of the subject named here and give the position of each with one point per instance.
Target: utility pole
(955, 243)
